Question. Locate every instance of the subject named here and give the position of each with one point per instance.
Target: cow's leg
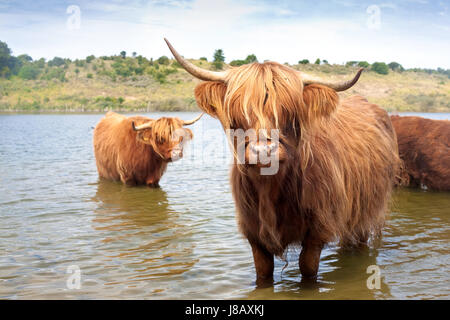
(310, 256)
(263, 264)
(152, 182)
(129, 181)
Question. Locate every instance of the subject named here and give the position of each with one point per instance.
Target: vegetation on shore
(135, 83)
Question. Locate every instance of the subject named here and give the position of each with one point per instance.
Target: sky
(415, 33)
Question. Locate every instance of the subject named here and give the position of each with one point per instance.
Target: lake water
(179, 241)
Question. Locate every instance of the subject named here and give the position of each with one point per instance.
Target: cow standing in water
(338, 159)
(424, 147)
(136, 150)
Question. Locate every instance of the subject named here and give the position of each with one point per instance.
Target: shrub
(251, 58)
(380, 67)
(317, 61)
(56, 62)
(90, 58)
(80, 63)
(395, 66)
(54, 73)
(29, 72)
(163, 60)
(160, 77)
(219, 59)
(363, 64)
(236, 63)
(304, 61)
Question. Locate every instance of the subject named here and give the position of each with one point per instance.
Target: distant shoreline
(79, 112)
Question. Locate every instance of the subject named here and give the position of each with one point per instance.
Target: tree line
(25, 67)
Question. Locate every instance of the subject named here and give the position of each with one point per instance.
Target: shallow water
(179, 241)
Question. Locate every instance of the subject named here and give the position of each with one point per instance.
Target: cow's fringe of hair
(161, 132)
(338, 181)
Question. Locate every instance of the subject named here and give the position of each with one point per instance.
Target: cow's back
(107, 139)
(424, 147)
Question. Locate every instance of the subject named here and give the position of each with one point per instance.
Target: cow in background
(136, 150)
(424, 147)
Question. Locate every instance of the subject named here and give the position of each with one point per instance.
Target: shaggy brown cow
(424, 147)
(337, 160)
(136, 150)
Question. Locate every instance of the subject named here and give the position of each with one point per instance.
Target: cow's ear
(320, 100)
(210, 96)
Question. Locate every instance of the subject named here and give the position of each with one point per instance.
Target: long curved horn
(142, 126)
(197, 72)
(189, 122)
(338, 86)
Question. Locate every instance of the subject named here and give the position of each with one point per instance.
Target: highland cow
(136, 150)
(424, 147)
(338, 159)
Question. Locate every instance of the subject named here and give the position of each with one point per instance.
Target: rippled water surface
(179, 241)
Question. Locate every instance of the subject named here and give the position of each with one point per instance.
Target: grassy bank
(127, 85)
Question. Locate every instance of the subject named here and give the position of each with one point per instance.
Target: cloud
(283, 33)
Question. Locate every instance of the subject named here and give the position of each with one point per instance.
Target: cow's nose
(176, 154)
(262, 148)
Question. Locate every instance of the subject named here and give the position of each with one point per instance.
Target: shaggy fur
(135, 157)
(424, 147)
(341, 163)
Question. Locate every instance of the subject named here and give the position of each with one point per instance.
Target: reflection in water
(413, 253)
(342, 275)
(139, 227)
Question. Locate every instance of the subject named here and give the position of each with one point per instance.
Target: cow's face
(167, 136)
(265, 108)
(279, 104)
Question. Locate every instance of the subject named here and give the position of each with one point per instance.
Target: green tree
(395, 66)
(304, 61)
(351, 63)
(219, 59)
(29, 72)
(123, 54)
(163, 60)
(90, 58)
(80, 63)
(363, 64)
(317, 61)
(40, 63)
(56, 62)
(380, 67)
(251, 58)
(24, 58)
(204, 58)
(8, 64)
